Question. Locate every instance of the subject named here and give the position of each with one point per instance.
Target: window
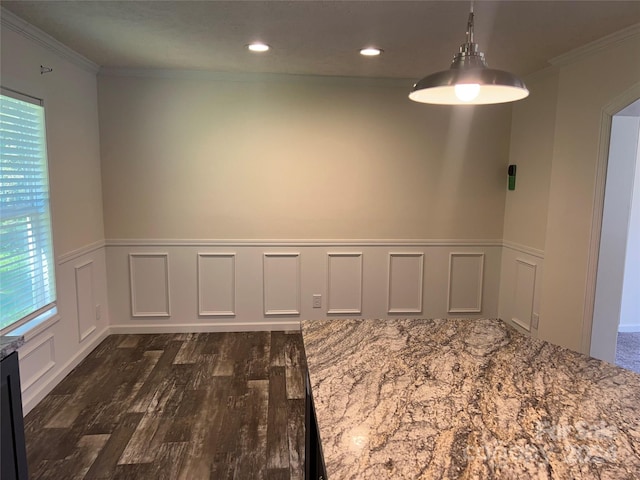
(27, 278)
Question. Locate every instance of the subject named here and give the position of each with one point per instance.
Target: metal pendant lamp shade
(469, 81)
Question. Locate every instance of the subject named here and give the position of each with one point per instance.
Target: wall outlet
(535, 320)
(317, 300)
(98, 312)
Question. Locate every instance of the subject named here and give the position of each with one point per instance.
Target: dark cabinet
(314, 463)
(13, 455)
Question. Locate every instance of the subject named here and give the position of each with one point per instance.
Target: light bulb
(467, 91)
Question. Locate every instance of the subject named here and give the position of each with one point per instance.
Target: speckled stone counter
(9, 344)
(466, 398)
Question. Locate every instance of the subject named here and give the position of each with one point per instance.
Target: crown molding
(595, 46)
(542, 73)
(235, 77)
(17, 24)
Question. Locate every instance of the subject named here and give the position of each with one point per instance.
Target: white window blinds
(27, 278)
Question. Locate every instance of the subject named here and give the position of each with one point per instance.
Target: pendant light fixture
(469, 81)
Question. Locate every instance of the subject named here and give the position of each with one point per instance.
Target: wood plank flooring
(176, 406)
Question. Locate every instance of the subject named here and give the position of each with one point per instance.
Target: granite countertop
(466, 398)
(9, 344)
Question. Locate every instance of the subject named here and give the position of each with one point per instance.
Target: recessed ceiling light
(258, 47)
(370, 52)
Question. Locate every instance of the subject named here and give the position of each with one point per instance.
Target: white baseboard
(629, 328)
(206, 327)
(520, 328)
(31, 400)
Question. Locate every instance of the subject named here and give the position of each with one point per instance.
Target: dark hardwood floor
(176, 406)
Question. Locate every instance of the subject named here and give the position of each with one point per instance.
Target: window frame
(46, 315)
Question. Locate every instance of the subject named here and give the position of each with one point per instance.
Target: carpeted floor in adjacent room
(628, 351)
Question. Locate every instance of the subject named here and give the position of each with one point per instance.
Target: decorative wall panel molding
(405, 282)
(85, 299)
(523, 293)
(36, 359)
(277, 283)
(149, 281)
(344, 283)
(217, 284)
(56, 346)
(466, 278)
(281, 284)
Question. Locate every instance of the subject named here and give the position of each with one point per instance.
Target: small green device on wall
(512, 177)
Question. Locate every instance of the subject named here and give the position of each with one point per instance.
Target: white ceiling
(322, 37)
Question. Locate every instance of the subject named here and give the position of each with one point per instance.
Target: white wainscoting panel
(521, 271)
(344, 283)
(466, 276)
(405, 282)
(523, 293)
(149, 281)
(36, 360)
(85, 299)
(53, 349)
(281, 284)
(275, 281)
(217, 284)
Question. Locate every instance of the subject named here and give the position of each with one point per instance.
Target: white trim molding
(543, 72)
(534, 252)
(629, 328)
(477, 308)
(217, 313)
(251, 77)
(79, 252)
(132, 284)
(522, 322)
(82, 335)
(420, 279)
(25, 353)
(356, 310)
(279, 325)
(17, 24)
(181, 242)
(282, 282)
(606, 119)
(597, 45)
(268, 312)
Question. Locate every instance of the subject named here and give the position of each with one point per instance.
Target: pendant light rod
(470, 25)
